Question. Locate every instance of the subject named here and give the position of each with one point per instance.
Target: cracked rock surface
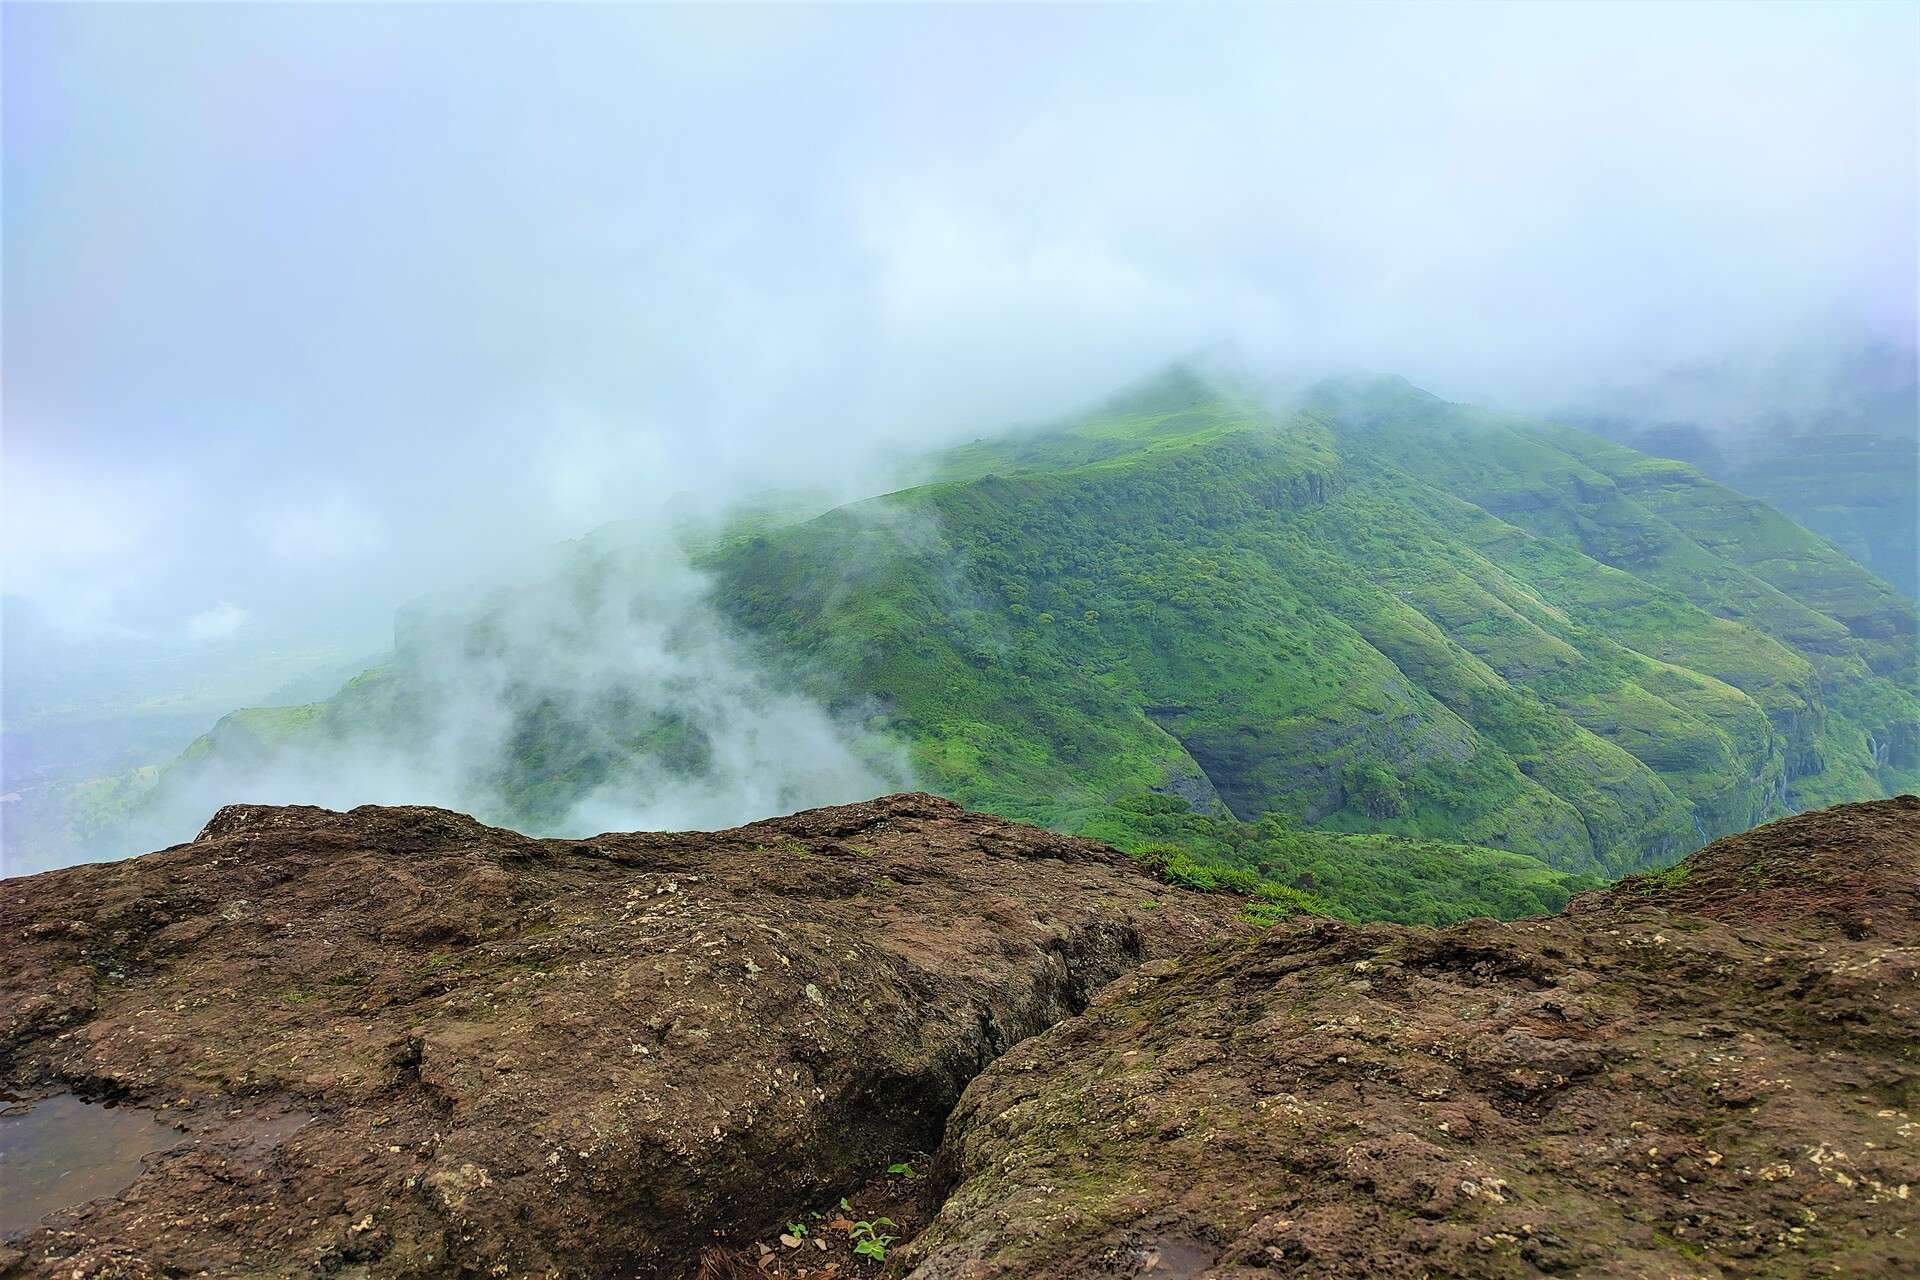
(1712, 1071)
(394, 1042)
(397, 1042)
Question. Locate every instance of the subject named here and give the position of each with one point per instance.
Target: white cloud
(733, 251)
(644, 653)
(74, 542)
(321, 531)
(222, 622)
(863, 237)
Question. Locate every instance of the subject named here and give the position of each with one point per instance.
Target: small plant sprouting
(902, 1169)
(798, 1229)
(869, 1241)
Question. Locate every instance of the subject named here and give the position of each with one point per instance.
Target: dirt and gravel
(395, 1042)
(398, 1042)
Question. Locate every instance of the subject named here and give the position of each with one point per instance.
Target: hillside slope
(1858, 487)
(1840, 456)
(1840, 696)
(1384, 613)
(1409, 658)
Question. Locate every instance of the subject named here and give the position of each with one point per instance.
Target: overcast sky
(309, 307)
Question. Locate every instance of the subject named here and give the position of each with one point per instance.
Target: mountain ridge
(1776, 678)
(1185, 619)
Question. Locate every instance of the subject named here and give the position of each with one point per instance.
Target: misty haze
(960, 641)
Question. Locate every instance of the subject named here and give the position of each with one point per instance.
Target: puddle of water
(62, 1152)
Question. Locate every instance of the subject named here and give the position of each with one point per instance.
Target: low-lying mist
(607, 695)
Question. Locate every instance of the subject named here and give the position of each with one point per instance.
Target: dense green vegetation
(1386, 613)
(1856, 489)
(1386, 656)
(1356, 876)
(1846, 471)
(1723, 585)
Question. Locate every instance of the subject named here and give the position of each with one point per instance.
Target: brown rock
(399, 1043)
(1706, 1073)
(403, 1043)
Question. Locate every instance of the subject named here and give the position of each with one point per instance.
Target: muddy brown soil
(1711, 1072)
(396, 1042)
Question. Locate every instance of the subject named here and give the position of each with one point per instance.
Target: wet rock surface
(397, 1042)
(61, 1151)
(1708, 1072)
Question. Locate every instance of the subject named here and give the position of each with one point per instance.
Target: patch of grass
(1657, 881)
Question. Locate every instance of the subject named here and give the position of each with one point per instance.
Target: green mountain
(1384, 655)
(1848, 469)
(1860, 489)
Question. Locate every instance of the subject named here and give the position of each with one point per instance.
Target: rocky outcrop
(398, 1042)
(1707, 1072)
(395, 1042)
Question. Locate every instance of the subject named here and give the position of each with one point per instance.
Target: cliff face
(395, 1042)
